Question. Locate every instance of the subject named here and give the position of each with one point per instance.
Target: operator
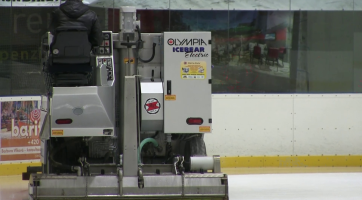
(75, 13)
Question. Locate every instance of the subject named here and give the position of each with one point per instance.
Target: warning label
(204, 129)
(126, 60)
(152, 106)
(57, 132)
(193, 70)
(170, 97)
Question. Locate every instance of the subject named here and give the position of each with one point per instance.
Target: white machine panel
(187, 82)
(151, 106)
(86, 111)
(105, 62)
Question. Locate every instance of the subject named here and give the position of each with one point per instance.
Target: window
(253, 51)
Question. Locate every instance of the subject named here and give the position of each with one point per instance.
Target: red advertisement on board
(20, 129)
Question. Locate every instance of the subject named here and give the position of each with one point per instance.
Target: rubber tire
(194, 147)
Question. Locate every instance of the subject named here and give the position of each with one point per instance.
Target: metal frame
(130, 128)
(211, 186)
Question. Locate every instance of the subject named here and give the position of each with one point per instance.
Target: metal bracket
(78, 170)
(217, 164)
(181, 167)
(141, 183)
(225, 182)
(31, 170)
(183, 185)
(175, 161)
(120, 181)
(121, 160)
(80, 160)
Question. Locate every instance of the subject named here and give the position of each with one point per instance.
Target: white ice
(324, 186)
(304, 186)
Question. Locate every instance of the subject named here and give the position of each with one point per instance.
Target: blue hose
(154, 142)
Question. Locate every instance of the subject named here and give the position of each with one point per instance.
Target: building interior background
(252, 51)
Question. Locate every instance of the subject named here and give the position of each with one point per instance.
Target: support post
(130, 163)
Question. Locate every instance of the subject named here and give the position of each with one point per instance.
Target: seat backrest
(282, 50)
(257, 50)
(273, 52)
(70, 46)
(251, 46)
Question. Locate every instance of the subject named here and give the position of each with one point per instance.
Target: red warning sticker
(152, 106)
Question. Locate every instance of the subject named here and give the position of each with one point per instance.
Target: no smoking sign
(152, 106)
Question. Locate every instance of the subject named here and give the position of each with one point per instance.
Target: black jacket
(75, 13)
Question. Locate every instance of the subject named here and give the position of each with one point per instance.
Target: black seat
(69, 62)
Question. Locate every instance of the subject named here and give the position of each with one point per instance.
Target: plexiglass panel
(21, 26)
(322, 5)
(327, 42)
(139, 4)
(217, 23)
(154, 21)
(5, 49)
(259, 43)
(357, 5)
(27, 3)
(259, 5)
(199, 5)
(29, 24)
(265, 46)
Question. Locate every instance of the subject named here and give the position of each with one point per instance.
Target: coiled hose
(147, 140)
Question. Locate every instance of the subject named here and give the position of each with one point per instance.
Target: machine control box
(105, 62)
(106, 47)
(151, 105)
(108, 64)
(187, 82)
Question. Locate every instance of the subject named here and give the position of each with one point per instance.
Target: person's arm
(96, 36)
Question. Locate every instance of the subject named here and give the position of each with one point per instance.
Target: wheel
(194, 147)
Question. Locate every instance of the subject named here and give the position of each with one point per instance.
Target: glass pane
(325, 5)
(355, 36)
(217, 23)
(259, 44)
(198, 5)
(51, 3)
(5, 48)
(142, 4)
(29, 25)
(357, 4)
(328, 52)
(103, 16)
(259, 5)
(113, 19)
(154, 21)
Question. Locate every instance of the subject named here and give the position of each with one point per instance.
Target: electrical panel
(187, 82)
(105, 64)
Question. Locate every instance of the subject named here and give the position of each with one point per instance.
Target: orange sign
(57, 132)
(204, 129)
(170, 97)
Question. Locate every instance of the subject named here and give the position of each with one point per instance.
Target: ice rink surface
(327, 186)
(259, 184)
